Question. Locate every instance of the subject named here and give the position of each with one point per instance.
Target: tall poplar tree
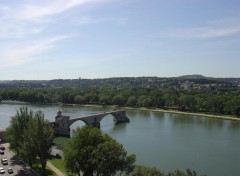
(31, 136)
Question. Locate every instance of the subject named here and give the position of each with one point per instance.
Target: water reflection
(158, 114)
(116, 128)
(234, 125)
(209, 123)
(145, 114)
(131, 113)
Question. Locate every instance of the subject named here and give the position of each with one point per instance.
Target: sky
(71, 39)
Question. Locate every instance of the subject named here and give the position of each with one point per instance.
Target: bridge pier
(95, 123)
(61, 126)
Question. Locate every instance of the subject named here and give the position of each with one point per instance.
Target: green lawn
(61, 141)
(59, 164)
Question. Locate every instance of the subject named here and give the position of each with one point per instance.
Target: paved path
(54, 169)
(17, 167)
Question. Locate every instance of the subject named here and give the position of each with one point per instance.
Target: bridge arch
(78, 123)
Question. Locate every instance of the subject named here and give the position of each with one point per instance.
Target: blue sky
(68, 39)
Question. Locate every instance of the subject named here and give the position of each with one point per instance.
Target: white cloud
(203, 32)
(18, 54)
(214, 29)
(48, 8)
(19, 30)
(30, 21)
(20, 20)
(217, 32)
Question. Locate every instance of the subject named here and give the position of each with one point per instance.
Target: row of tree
(216, 102)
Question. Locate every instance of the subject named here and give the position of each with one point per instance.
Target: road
(19, 168)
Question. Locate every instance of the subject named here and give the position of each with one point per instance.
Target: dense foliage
(152, 171)
(215, 101)
(92, 153)
(30, 135)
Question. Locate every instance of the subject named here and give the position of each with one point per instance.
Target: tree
(78, 153)
(132, 101)
(18, 123)
(104, 100)
(118, 100)
(31, 136)
(27, 150)
(42, 145)
(111, 157)
(187, 102)
(147, 102)
(156, 96)
(145, 171)
(141, 100)
(236, 111)
(152, 171)
(91, 152)
(188, 172)
(79, 99)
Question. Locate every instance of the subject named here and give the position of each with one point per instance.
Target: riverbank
(225, 117)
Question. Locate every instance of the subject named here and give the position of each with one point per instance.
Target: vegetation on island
(224, 102)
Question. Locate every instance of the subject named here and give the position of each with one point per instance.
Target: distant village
(188, 82)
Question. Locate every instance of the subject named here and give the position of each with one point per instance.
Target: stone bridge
(62, 124)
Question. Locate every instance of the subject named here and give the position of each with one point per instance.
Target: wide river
(164, 140)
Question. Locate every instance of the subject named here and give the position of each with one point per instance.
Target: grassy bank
(225, 117)
(13, 102)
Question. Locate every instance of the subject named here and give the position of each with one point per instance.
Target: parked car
(4, 161)
(2, 171)
(2, 148)
(1, 152)
(10, 171)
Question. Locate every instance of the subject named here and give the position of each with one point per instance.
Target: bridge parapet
(62, 123)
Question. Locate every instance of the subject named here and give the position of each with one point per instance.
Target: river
(164, 140)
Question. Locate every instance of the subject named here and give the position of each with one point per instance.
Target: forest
(222, 102)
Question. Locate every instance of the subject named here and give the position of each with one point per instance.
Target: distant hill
(197, 78)
(191, 77)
